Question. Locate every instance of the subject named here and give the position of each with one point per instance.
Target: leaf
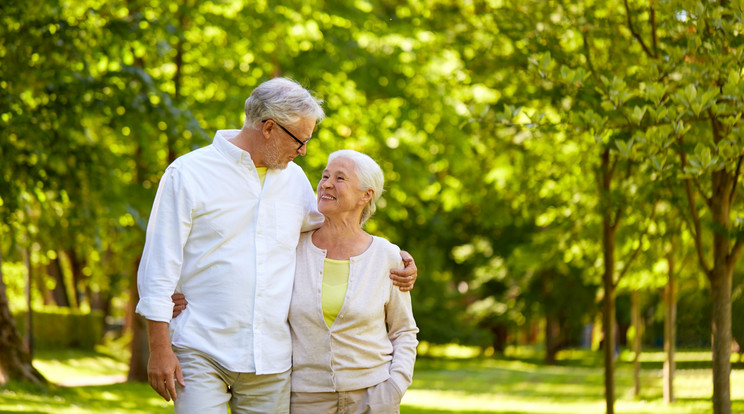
(658, 165)
(625, 147)
(655, 92)
(638, 113)
(680, 128)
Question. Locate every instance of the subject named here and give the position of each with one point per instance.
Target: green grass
(447, 380)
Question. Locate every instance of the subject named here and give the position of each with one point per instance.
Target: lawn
(447, 380)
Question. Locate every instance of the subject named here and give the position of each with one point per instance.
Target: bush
(63, 328)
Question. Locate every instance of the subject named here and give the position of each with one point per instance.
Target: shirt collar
(227, 148)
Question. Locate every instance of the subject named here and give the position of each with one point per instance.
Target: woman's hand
(179, 303)
(405, 278)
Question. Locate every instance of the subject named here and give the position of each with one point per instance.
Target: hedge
(63, 328)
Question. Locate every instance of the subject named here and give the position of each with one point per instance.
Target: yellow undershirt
(335, 283)
(261, 174)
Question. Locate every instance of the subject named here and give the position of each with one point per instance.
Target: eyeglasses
(302, 143)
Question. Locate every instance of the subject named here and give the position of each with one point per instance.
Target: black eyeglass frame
(302, 143)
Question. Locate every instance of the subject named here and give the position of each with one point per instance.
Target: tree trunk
(637, 335)
(30, 312)
(499, 337)
(78, 287)
(140, 347)
(140, 351)
(15, 360)
(670, 332)
(609, 230)
(608, 317)
(551, 339)
(60, 294)
(721, 323)
(720, 286)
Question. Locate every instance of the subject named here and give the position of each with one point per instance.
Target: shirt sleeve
(402, 332)
(313, 219)
(162, 257)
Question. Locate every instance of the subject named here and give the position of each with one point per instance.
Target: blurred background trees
(543, 159)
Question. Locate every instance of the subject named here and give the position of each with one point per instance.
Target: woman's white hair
(282, 100)
(369, 174)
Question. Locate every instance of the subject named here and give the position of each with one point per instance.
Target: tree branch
(715, 127)
(621, 208)
(735, 251)
(732, 195)
(589, 62)
(701, 190)
(633, 31)
(696, 227)
(654, 37)
(697, 233)
(639, 248)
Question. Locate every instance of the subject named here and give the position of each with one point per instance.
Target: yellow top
(261, 174)
(335, 283)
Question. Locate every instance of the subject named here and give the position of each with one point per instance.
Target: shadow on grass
(131, 397)
(682, 365)
(11, 411)
(592, 359)
(69, 354)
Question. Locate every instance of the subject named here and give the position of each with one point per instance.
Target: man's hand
(163, 368)
(405, 278)
(179, 303)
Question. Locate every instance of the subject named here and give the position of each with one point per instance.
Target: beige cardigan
(357, 351)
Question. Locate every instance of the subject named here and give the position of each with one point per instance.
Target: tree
(669, 92)
(15, 359)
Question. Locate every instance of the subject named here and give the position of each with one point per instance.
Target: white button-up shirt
(229, 246)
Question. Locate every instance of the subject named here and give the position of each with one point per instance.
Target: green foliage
(488, 118)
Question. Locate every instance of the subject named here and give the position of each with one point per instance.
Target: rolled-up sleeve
(312, 218)
(162, 257)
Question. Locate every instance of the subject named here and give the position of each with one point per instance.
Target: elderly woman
(353, 332)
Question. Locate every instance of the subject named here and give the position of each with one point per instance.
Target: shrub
(63, 328)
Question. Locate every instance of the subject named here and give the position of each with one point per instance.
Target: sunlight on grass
(452, 350)
(458, 401)
(90, 366)
(69, 364)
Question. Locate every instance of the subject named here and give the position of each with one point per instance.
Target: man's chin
(279, 166)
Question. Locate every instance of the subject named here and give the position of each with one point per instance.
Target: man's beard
(272, 156)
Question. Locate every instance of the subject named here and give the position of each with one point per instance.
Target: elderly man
(223, 231)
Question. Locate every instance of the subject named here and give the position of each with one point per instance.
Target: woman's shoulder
(305, 244)
(306, 235)
(383, 246)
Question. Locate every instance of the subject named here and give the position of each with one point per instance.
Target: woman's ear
(368, 195)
